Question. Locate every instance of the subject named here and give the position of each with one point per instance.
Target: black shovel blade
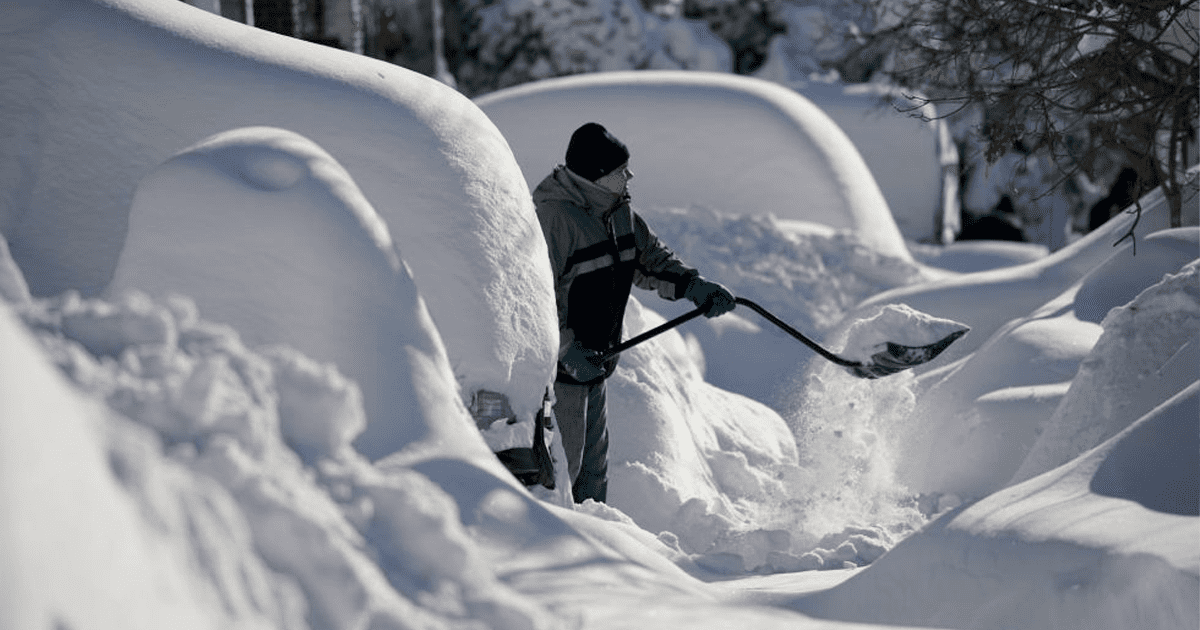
(898, 358)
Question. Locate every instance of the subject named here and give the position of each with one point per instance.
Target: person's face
(618, 180)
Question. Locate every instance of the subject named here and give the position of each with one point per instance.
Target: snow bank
(1107, 541)
(970, 256)
(979, 419)
(225, 478)
(248, 218)
(240, 462)
(1148, 352)
(273, 238)
(882, 451)
(1101, 534)
(725, 483)
(219, 522)
(86, 125)
(987, 300)
(701, 138)
(689, 458)
(57, 475)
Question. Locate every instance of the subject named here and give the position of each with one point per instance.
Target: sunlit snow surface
(684, 150)
(87, 127)
(191, 461)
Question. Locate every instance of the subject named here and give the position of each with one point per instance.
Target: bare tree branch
(1068, 77)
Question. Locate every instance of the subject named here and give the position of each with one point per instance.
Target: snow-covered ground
(254, 284)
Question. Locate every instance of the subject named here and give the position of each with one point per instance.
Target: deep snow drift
(196, 460)
(87, 125)
(275, 240)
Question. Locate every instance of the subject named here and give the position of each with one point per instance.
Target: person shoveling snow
(599, 249)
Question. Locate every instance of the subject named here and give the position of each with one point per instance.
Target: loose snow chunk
(107, 329)
(899, 324)
(320, 410)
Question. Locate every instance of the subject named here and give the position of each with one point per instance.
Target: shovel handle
(798, 335)
(653, 332)
(690, 315)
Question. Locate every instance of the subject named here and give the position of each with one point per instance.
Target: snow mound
(691, 459)
(970, 256)
(977, 420)
(59, 459)
(987, 300)
(964, 428)
(274, 239)
(85, 126)
(1097, 529)
(219, 522)
(697, 138)
(806, 274)
(1106, 541)
(1147, 353)
(720, 478)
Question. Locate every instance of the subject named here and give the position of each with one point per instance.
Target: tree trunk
(441, 69)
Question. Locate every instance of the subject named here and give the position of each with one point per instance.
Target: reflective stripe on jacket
(599, 248)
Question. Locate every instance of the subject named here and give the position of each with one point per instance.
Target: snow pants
(583, 423)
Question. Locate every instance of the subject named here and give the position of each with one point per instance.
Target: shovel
(896, 358)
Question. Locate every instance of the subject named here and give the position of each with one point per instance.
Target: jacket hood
(562, 185)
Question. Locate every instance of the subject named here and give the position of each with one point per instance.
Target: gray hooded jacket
(599, 248)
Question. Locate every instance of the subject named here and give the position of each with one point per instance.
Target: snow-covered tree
(509, 42)
(1077, 79)
(805, 36)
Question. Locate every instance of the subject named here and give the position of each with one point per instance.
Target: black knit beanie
(594, 152)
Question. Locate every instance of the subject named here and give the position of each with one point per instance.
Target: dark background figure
(1000, 224)
(1123, 193)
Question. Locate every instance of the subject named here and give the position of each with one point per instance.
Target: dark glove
(710, 295)
(581, 364)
